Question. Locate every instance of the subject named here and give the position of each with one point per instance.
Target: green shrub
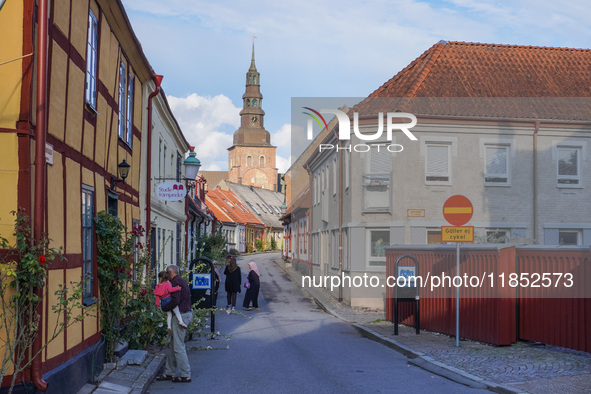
(212, 246)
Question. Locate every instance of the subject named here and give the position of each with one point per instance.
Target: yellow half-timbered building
(82, 99)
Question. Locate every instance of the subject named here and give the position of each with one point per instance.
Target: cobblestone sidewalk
(522, 367)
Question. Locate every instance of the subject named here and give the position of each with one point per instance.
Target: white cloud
(205, 113)
(282, 137)
(203, 120)
(282, 163)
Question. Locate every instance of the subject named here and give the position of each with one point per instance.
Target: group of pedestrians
(234, 285)
(174, 297)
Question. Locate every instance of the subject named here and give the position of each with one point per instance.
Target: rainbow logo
(316, 119)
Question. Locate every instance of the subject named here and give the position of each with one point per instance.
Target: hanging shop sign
(171, 191)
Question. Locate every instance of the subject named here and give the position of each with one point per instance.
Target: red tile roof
(219, 211)
(232, 207)
(489, 81)
(460, 69)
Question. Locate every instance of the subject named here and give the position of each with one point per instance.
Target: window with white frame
(160, 159)
(164, 162)
(122, 101)
(496, 165)
(568, 166)
(376, 181)
(87, 242)
(335, 249)
(91, 60)
(129, 120)
(497, 236)
(178, 167)
(347, 161)
(306, 236)
(315, 191)
(377, 240)
(346, 263)
(334, 177)
(324, 194)
(570, 237)
(437, 163)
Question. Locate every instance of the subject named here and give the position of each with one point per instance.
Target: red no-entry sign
(457, 210)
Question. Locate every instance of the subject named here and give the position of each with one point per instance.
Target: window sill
(125, 145)
(376, 210)
(566, 186)
(488, 184)
(91, 109)
(442, 183)
(89, 301)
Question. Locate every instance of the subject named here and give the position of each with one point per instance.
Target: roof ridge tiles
(467, 43)
(472, 69)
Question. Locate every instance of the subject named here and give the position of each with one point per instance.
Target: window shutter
(380, 162)
(437, 159)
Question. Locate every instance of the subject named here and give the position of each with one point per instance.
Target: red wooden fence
(498, 314)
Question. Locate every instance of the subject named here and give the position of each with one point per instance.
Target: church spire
(252, 65)
(252, 158)
(252, 126)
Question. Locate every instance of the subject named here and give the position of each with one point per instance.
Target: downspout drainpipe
(535, 176)
(340, 152)
(157, 82)
(187, 221)
(40, 169)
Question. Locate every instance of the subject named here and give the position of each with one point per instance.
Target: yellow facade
(11, 20)
(86, 143)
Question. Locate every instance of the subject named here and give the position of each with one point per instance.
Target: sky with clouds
(332, 48)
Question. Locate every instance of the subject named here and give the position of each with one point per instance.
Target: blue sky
(333, 48)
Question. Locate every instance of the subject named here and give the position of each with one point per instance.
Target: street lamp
(123, 169)
(192, 165)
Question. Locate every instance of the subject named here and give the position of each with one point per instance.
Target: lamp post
(192, 165)
(123, 169)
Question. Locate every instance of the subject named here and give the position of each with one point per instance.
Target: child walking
(162, 292)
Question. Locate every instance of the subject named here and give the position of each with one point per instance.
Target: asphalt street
(293, 346)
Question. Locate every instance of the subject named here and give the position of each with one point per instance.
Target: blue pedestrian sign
(408, 273)
(201, 281)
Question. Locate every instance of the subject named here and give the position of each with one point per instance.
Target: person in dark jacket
(252, 292)
(233, 282)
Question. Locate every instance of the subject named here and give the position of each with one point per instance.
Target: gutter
(340, 152)
(157, 82)
(40, 172)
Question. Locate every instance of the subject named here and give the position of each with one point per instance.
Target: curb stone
(400, 348)
(143, 381)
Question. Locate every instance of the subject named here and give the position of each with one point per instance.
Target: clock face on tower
(253, 120)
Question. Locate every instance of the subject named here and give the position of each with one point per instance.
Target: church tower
(251, 158)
